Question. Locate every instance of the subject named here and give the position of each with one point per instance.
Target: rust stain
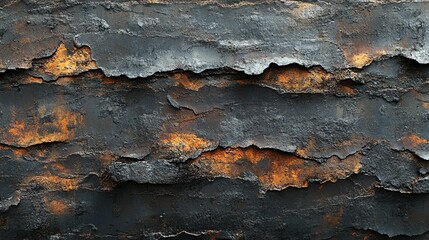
(351, 38)
(184, 80)
(41, 153)
(53, 183)
(303, 152)
(65, 80)
(56, 207)
(347, 83)
(59, 126)
(347, 90)
(97, 76)
(275, 170)
(59, 168)
(18, 153)
(360, 59)
(106, 158)
(183, 144)
(64, 64)
(297, 79)
(413, 141)
(195, 83)
(31, 79)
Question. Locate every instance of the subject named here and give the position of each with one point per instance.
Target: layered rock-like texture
(214, 119)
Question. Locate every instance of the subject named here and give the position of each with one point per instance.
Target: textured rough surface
(214, 119)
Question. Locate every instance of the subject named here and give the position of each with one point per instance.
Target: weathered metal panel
(214, 119)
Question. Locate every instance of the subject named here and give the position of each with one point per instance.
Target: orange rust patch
(184, 80)
(347, 90)
(183, 144)
(19, 152)
(413, 141)
(275, 170)
(30, 79)
(362, 59)
(64, 64)
(297, 79)
(56, 207)
(34, 130)
(350, 36)
(54, 183)
(65, 80)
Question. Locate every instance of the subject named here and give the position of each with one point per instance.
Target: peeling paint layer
(273, 170)
(47, 124)
(145, 37)
(64, 64)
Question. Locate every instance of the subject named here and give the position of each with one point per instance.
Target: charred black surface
(214, 119)
(76, 136)
(199, 209)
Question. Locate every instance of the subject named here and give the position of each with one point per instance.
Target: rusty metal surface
(214, 119)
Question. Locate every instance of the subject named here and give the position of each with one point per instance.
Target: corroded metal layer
(214, 120)
(139, 38)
